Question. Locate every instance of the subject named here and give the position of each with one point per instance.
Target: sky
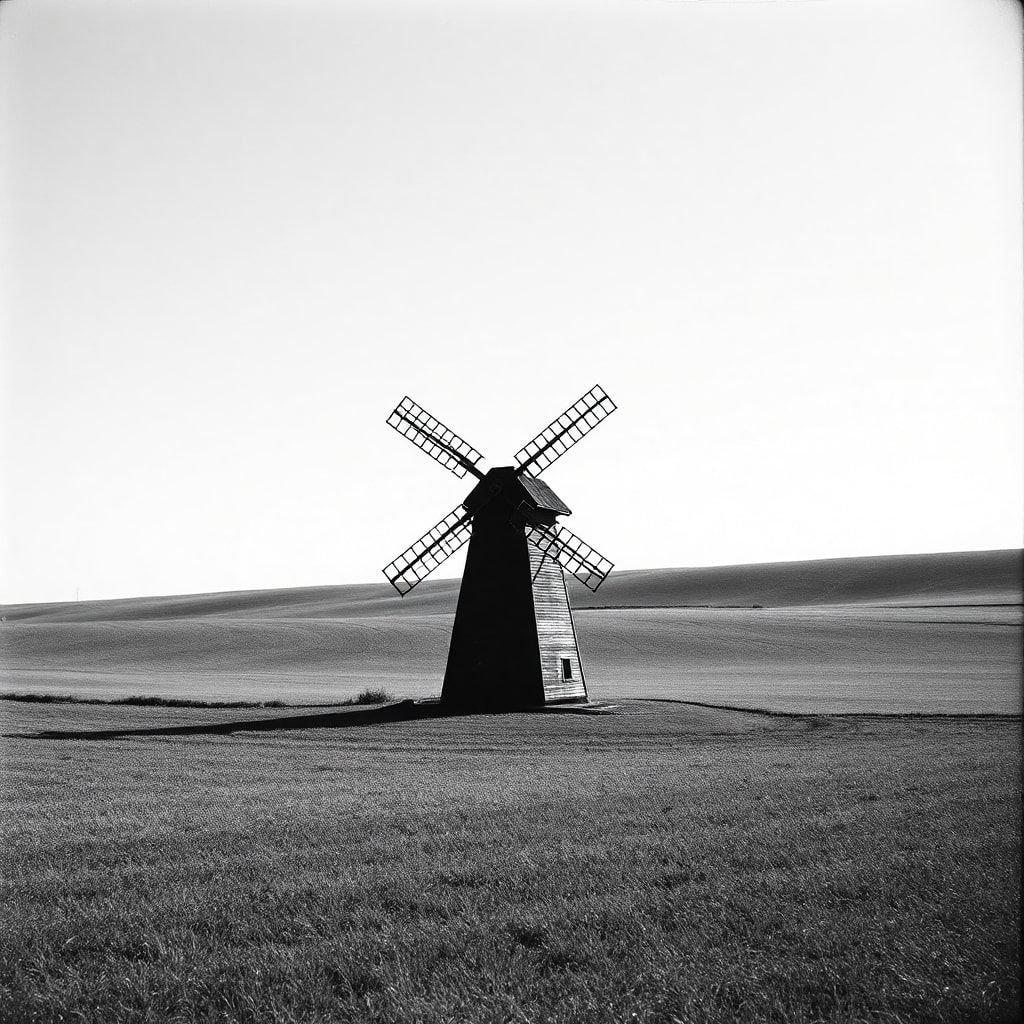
(786, 237)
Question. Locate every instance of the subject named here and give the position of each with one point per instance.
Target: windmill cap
(515, 488)
(543, 497)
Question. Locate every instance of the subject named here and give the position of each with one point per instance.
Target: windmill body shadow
(329, 718)
(340, 717)
(514, 642)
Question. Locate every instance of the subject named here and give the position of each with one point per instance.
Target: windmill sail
(420, 559)
(587, 564)
(562, 433)
(413, 422)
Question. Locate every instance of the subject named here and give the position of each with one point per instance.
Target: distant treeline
(365, 697)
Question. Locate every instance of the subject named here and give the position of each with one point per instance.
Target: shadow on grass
(399, 711)
(348, 717)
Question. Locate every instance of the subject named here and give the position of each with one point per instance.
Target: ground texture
(665, 863)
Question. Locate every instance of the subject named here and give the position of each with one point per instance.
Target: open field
(924, 633)
(665, 863)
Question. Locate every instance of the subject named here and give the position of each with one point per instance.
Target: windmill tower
(514, 641)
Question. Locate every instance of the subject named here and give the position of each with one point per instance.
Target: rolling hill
(957, 578)
(936, 632)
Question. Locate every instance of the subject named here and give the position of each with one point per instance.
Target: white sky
(786, 237)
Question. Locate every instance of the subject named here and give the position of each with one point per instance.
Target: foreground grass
(664, 864)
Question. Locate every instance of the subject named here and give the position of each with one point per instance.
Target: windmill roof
(543, 495)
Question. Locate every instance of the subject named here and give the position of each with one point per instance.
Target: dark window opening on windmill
(566, 668)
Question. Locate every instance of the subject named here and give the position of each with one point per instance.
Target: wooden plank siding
(556, 633)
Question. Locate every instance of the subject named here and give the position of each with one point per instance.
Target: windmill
(514, 641)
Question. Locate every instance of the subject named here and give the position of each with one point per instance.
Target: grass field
(664, 863)
(668, 862)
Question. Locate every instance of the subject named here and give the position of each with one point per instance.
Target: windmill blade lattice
(413, 422)
(587, 564)
(438, 544)
(562, 433)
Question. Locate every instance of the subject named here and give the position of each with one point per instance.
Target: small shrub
(372, 697)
